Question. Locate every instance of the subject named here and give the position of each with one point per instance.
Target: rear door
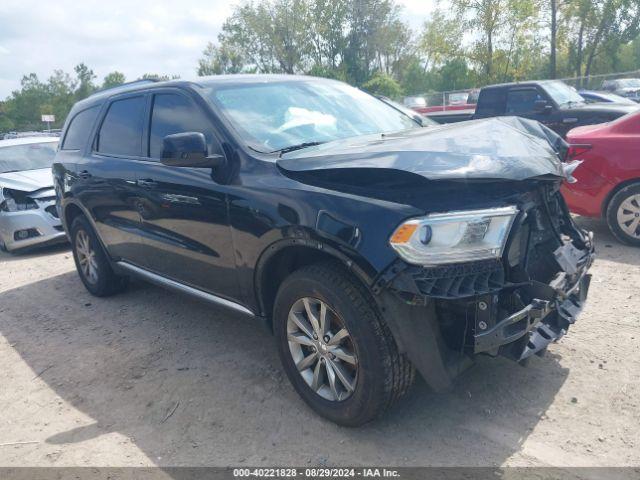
(108, 177)
(184, 215)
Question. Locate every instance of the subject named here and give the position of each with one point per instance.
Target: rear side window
(79, 129)
(171, 114)
(121, 130)
(522, 101)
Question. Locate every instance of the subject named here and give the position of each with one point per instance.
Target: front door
(184, 210)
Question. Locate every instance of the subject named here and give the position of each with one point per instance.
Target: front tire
(91, 261)
(335, 347)
(623, 215)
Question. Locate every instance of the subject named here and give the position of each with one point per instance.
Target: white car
(28, 214)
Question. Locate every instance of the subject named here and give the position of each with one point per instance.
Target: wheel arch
(286, 256)
(612, 193)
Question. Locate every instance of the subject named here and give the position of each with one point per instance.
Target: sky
(131, 36)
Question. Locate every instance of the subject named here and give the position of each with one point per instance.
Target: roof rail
(126, 84)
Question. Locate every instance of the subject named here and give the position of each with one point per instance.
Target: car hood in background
(605, 107)
(504, 148)
(27, 180)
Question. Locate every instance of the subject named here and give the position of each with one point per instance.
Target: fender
(69, 201)
(356, 264)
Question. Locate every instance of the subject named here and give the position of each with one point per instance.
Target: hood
(499, 148)
(605, 107)
(28, 180)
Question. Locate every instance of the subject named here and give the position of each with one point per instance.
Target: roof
(520, 84)
(198, 81)
(27, 141)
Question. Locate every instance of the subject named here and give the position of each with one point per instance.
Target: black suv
(368, 244)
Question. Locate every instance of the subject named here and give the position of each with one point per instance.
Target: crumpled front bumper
(44, 226)
(494, 316)
(554, 307)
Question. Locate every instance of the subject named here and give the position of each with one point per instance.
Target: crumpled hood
(28, 180)
(504, 148)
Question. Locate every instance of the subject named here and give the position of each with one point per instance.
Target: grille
(457, 281)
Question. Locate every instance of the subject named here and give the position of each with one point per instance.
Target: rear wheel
(623, 215)
(335, 347)
(91, 261)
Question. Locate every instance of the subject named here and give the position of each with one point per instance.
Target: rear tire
(623, 215)
(367, 354)
(91, 261)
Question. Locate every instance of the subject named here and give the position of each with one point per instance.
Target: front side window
(121, 130)
(171, 114)
(561, 93)
(275, 115)
(79, 129)
(522, 101)
(32, 156)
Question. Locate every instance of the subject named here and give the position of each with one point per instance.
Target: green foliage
(113, 79)
(345, 39)
(383, 84)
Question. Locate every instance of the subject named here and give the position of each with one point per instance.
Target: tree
(113, 79)
(383, 84)
(440, 40)
(221, 59)
(85, 78)
(598, 26)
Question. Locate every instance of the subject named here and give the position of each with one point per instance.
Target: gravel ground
(150, 377)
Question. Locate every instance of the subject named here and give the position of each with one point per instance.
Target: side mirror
(418, 119)
(188, 149)
(541, 106)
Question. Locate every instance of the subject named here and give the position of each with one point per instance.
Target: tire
(102, 281)
(379, 376)
(623, 214)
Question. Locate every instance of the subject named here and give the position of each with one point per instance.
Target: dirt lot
(154, 378)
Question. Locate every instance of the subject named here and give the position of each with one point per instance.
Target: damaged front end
(513, 306)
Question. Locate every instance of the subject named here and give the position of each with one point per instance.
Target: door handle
(84, 174)
(147, 183)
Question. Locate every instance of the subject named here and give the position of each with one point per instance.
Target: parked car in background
(418, 117)
(415, 102)
(28, 214)
(551, 102)
(594, 96)
(369, 245)
(608, 180)
(625, 87)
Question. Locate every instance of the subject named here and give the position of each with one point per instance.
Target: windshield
(273, 116)
(629, 83)
(561, 93)
(31, 156)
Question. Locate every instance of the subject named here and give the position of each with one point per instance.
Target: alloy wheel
(86, 257)
(628, 216)
(322, 349)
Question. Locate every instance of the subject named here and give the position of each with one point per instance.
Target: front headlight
(14, 201)
(454, 237)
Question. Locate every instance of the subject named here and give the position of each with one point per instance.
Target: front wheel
(623, 215)
(335, 348)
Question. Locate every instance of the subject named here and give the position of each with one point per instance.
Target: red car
(608, 180)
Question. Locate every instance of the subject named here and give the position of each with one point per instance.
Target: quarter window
(79, 129)
(175, 114)
(121, 131)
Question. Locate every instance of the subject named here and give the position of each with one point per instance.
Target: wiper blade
(299, 146)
